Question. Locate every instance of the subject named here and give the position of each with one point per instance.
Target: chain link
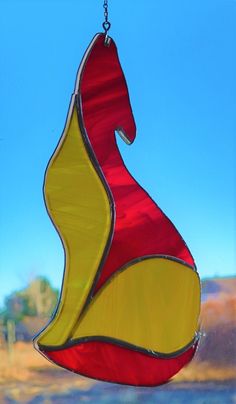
(106, 25)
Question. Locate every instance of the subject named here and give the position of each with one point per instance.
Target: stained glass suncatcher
(130, 299)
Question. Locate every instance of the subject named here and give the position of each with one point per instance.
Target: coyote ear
(104, 95)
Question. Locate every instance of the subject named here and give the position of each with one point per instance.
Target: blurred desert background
(25, 374)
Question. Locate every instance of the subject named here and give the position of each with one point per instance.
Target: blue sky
(179, 61)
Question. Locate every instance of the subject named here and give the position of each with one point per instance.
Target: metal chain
(106, 25)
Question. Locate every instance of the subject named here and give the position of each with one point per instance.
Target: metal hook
(106, 24)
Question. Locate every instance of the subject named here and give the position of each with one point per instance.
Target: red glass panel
(141, 228)
(108, 362)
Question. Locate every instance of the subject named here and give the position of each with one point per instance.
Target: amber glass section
(79, 207)
(152, 304)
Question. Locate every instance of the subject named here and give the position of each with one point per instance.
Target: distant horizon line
(204, 279)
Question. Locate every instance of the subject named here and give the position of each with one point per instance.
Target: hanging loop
(106, 26)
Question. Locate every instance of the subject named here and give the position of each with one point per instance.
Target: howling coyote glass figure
(129, 304)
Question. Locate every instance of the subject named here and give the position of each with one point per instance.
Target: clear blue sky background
(179, 61)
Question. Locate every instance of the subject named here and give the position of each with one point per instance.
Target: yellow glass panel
(153, 304)
(79, 207)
